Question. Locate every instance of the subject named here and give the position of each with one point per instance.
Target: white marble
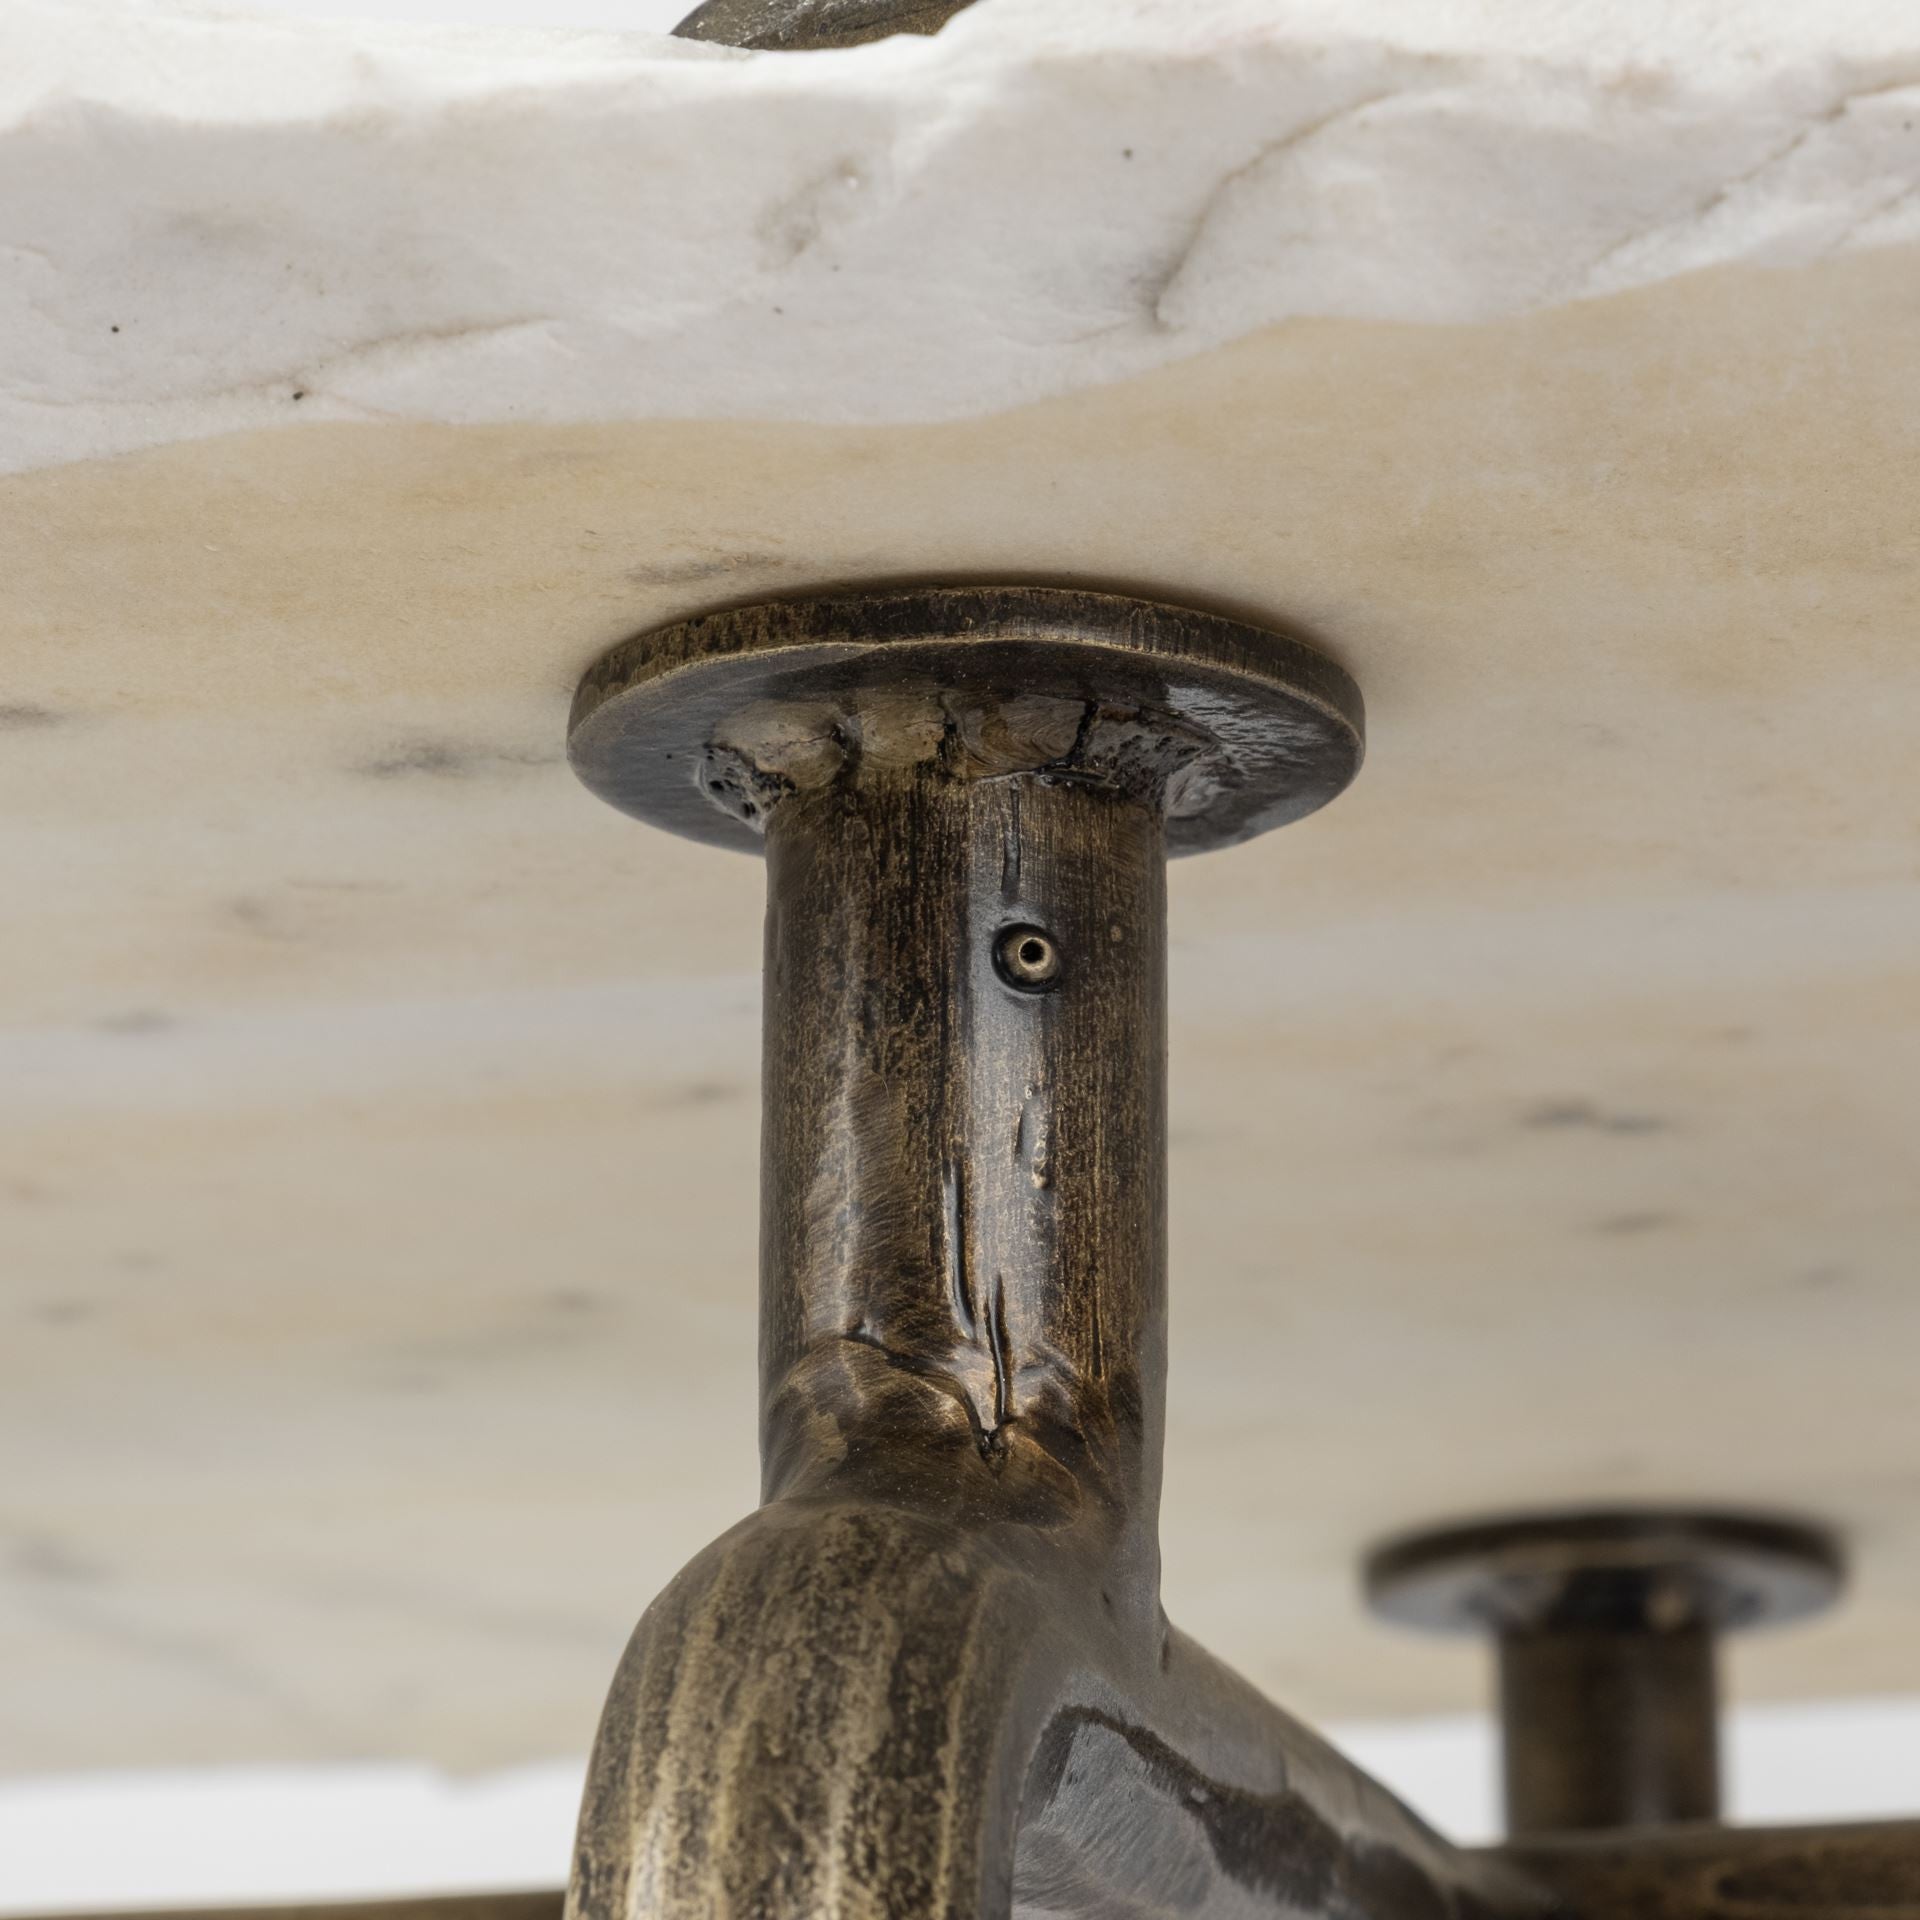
(211, 220)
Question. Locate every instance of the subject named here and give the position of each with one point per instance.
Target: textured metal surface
(795, 25)
(931, 1676)
(1653, 1568)
(1606, 1625)
(1606, 1728)
(1226, 729)
(1718, 1873)
(1864, 1872)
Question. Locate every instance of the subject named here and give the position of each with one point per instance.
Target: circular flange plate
(1631, 1570)
(697, 727)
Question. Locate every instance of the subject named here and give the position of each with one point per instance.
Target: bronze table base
(1606, 1625)
(931, 1675)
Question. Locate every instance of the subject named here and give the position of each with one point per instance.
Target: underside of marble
(377, 1110)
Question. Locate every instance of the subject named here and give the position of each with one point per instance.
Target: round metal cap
(1645, 1570)
(702, 727)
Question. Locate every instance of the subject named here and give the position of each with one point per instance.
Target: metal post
(931, 1675)
(1607, 1625)
(1608, 1727)
(963, 1178)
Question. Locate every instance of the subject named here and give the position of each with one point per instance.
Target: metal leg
(931, 1675)
(1606, 1626)
(1608, 1727)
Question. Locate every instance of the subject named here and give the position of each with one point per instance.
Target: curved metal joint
(850, 1710)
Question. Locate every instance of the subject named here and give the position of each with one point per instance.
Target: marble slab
(214, 222)
(377, 1110)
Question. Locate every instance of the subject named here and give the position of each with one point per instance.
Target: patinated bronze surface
(1220, 729)
(1861, 1872)
(931, 1676)
(1603, 1729)
(1606, 1626)
(796, 25)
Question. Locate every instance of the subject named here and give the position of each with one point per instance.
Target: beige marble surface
(377, 1110)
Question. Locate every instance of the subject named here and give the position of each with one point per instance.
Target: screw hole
(1028, 959)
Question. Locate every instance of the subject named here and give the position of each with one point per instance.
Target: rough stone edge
(317, 221)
